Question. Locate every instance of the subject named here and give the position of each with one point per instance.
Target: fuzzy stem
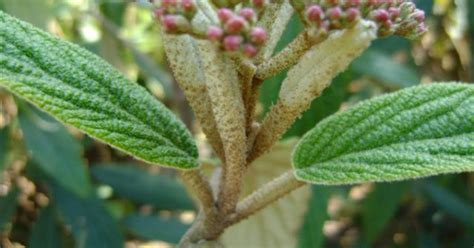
(288, 57)
(267, 194)
(199, 185)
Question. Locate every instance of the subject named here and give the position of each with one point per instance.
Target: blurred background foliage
(59, 188)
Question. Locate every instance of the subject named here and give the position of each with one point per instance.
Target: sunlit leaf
(80, 89)
(416, 132)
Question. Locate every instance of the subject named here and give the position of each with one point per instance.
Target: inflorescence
(237, 29)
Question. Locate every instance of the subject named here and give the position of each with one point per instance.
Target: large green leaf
(45, 232)
(7, 208)
(4, 138)
(140, 186)
(56, 152)
(90, 222)
(80, 89)
(416, 132)
(379, 206)
(156, 228)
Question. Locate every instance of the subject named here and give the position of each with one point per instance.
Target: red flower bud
(394, 12)
(250, 50)
(258, 35)
(235, 24)
(188, 5)
(224, 14)
(247, 13)
(419, 15)
(315, 13)
(334, 13)
(258, 3)
(214, 33)
(380, 15)
(232, 42)
(170, 23)
(352, 14)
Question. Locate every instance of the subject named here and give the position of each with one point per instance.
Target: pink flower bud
(380, 15)
(232, 42)
(224, 14)
(419, 15)
(247, 13)
(214, 33)
(250, 50)
(258, 35)
(170, 23)
(159, 12)
(334, 13)
(394, 12)
(314, 13)
(258, 3)
(352, 14)
(235, 24)
(188, 5)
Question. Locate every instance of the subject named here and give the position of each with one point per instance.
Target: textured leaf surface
(156, 228)
(55, 151)
(80, 89)
(277, 225)
(416, 132)
(142, 187)
(45, 232)
(90, 222)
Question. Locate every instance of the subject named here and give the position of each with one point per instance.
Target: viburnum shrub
(221, 51)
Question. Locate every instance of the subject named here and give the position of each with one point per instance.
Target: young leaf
(161, 191)
(56, 152)
(416, 132)
(80, 89)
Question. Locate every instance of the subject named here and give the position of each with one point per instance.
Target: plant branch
(199, 185)
(267, 194)
(288, 57)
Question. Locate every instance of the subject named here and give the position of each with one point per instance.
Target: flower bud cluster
(175, 15)
(237, 31)
(399, 17)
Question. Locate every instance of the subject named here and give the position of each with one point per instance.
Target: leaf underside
(82, 90)
(417, 132)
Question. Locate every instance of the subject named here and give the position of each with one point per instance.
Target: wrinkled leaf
(156, 228)
(80, 89)
(90, 223)
(278, 224)
(142, 187)
(55, 151)
(380, 205)
(45, 232)
(7, 208)
(416, 132)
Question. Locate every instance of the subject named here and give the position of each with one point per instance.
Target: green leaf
(55, 151)
(90, 223)
(451, 203)
(45, 231)
(416, 132)
(143, 187)
(7, 208)
(379, 207)
(156, 228)
(311, 234)
(82, 90)
(4, 138)
(383, 67)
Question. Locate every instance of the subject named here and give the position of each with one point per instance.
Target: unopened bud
(334, 13)
(419, 15)
(352, 14)
(250, 50)
(258, 35)
(188, 5)
(235, 24)
(232, 42)
(224, 14)
(315, 13)
(248, 13)
(394, 13)
(214, 33)
(380, 15)
(258, 3)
